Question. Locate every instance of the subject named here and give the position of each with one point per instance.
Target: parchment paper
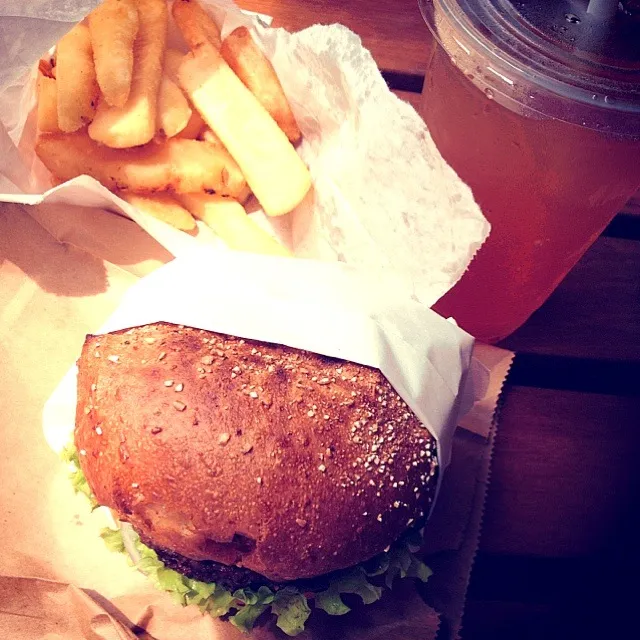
(327, 308)
(383, 197)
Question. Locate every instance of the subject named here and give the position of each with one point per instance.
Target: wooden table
(558, 550)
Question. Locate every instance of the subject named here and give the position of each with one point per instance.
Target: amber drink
(538, 111)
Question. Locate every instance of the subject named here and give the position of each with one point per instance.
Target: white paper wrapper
(383, 197)
(327, 308)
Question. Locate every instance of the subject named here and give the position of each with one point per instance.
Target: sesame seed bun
(278, 460)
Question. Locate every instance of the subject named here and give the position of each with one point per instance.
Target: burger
(258, 479)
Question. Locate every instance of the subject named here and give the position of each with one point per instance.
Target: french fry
(172, 61)
(272, 168)
(243, 196)
(209, 136)
(45, 67)
(163, 207)
(195, 24)
(181, 166)
(113, 26)
(134, 124)
(76, 78)
(174, 111)
(47, 104)
(231, 224)
(248, 62)
(194, 127)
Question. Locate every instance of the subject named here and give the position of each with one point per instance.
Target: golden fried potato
(181, 166)
(174, 111)
(113, 26)
(272, 168)
(172, 61)
(163, 207)
(194, 127)
(248, 62)
(134, 124)
(76, 78)
(45, 67)
(195, 24)
(231, 224)
(47, 104)
(209, 136)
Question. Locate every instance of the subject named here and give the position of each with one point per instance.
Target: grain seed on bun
(246, 463)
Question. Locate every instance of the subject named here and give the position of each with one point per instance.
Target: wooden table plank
(500, 620)
(595, 312)
(394, 31)
(565, 473)
(633, 206)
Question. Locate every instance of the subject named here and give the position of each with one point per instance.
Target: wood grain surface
(595, 312)
(564, 474)
(394, 31)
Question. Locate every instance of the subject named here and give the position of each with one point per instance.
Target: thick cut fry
(243, 196)
(230, 222)
(174, 111)
(47, 104)
(196, 25)
(163, 207)
(76, 77)
(172, 61)
(182, 166)
(274, 171)
(46, 68)
(135, 123)
(194, 127)
(248, 62)
(209, 136)
(113, 26)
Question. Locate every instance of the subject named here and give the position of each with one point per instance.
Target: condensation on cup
(536, 106)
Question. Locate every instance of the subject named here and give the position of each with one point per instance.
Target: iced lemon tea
(548, 170)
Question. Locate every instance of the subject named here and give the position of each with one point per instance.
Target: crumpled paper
(327, 308)
(383, 197)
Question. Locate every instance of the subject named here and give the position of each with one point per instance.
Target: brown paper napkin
(51, 295)
(35, 608)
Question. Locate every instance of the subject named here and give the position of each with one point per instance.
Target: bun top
(282, 461)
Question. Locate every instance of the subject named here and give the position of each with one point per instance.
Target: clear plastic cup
(537, 108)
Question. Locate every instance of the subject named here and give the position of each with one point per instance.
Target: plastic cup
(537, 108)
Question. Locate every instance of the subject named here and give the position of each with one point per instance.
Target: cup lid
(576, 60)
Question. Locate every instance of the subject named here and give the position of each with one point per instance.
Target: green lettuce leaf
(247, 616)
(199, 592)
(244, 606)
(263, 595)
(219, 603)
(355, 581)
(331, 602)
(419, 569)
(255, 603)
(78, 481)
(291, 610)
(113, 539)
